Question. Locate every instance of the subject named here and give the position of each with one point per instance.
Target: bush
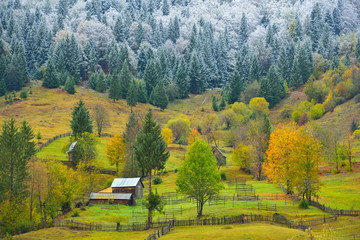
(317, 111)
(203, 110)
(175, 171)
(25, 226)
(223, 175)
(10, 99)
(108, 183)
(304, 203)
(339, 100)
(38, 135)
(14, 93)
(82, 208)
(286, 112)
(76, 214)
(296, 116)
(165, 171)
(23, 94)
(157, 180)
(303, 119)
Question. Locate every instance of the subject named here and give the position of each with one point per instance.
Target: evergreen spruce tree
(50, 77)
(93, 81)
(244, 33)
(182, 80)
(329, 21)
(150, 149)
(298, 31)
(150, 77)
(347, 60)
(139, 35)
(193, 39)
(80, 122)
(316, 26)
(235, 88)
(114, 59)
(272, 87)
(337, 21)
(142, 61)
(70, 85)
(160, 99)
(141, 92)
(357, 49)
(131, 98)
(195, 81)
(2, 87)
(215, 106)
(165, 8)
(222, 104)
(125, 80)
(296, 78)
(101, 82)
(254, 74)
(114, 89)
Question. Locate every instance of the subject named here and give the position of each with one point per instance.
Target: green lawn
(54, 151)
(241, 231)
(341, 191)
(69, 234)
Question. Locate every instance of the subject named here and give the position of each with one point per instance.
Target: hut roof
(219, 151)
(112, 196)
(126, 182)
(71, 146)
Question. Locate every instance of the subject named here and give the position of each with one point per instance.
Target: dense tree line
(116, 43)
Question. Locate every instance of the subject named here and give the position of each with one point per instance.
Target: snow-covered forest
(180, 46)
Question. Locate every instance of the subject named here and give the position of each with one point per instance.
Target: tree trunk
(200, 210)
(149, 212)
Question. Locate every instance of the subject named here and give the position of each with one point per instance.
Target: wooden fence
(51, 140)
(334, 212)
(240, 219)
(160, 232)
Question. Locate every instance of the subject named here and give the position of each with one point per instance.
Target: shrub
(76, 214)
(23, 94)
(38, 135)
(286, 112)
(165, 171)
(14, 93)
(202, 109)
(339, 100)
(223, 175)
(317, 111)
(70, 85)
(199, 128)
(175, 171)
(157, 180)
(304, 203)
(180, 128)
(6, 97)
(25, 226)
(108, 183)
(296, 116)
(11, 99)
(83, 208)
(303, 119)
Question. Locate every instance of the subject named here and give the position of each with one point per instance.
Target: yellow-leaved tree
(115, 151)
(278, 166)
(293, 157)
(241, 156)
(168, 135)
(193, 136)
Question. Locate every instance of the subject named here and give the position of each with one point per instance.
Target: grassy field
(341, 191)
(244, 231)
(69, 234)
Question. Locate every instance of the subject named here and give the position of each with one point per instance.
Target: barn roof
(71, 146)
(126, 182)
(112, 196)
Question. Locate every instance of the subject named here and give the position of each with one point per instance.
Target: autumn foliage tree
(293, 157)
(115, 151)
(194, 134)
(167, 135)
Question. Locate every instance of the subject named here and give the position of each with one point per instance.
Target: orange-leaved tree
(193, 136)
(115, 151)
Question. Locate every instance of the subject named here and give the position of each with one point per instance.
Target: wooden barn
(112, 198)
(128, 185)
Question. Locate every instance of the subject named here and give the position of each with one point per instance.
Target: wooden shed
(219, 155)
(69, 151)
(112, 198)
(128, 185)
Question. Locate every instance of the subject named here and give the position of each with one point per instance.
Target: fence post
(324, 218)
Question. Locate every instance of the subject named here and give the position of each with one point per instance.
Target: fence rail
(160, 232)
(51, 140)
